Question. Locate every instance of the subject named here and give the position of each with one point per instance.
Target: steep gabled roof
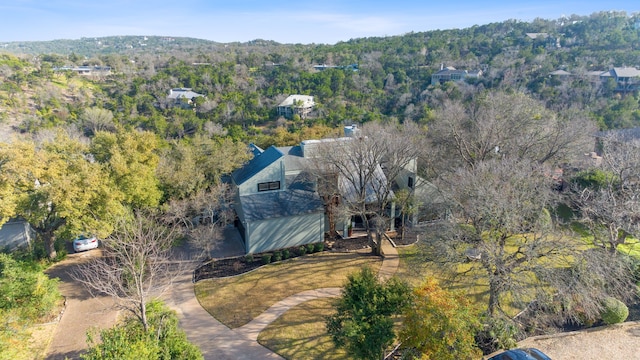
(257, 164)
(377, 182)
(298, 199)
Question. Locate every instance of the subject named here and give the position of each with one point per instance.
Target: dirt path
(81, 313)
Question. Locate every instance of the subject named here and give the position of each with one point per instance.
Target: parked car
(521, 354)
(83, 243)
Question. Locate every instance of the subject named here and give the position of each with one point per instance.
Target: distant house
(182, 96)
(560, 73)
(322, 67)
(534, 36)
(300, 105)
(86, 70)
(627, 78)
(452, 74)
(16, 233)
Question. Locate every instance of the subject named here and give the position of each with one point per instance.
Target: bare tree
(608, 197)
(499, 222)
(365, 169)
(97, 119)
(203, 216)
(497, 125)
(214, 208)
(135, 265)
(503, 230)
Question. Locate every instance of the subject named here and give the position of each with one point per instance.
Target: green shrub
(318, 247)
(266, 259)
(248, 258)
(128, 340)
(26, 296)
(277, 256)
(614, 311)
(497, 333)
(310, 248)
(286, 254)
(302, 250)
(26, 288)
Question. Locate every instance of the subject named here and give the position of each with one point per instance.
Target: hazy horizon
(325, 22)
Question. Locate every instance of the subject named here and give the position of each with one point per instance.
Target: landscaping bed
(239, 265)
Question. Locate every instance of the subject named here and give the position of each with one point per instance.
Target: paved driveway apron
(82, 311)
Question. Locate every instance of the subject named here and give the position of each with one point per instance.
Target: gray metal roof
(350, 191)
(298, 199)
(626, 72)
(257, 164)
(293, 158)
(560, 73)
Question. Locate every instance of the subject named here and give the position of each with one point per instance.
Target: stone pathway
(220, 342)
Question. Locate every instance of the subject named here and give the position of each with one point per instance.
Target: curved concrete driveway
(216, 341)
(82, 311)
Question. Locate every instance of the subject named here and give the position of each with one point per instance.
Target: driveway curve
(82, 311)
(217, 341)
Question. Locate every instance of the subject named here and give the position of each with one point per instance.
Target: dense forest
(244, 82)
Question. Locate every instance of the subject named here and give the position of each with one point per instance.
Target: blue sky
(326, 21)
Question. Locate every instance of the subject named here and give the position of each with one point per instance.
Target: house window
(410, 183)
(271, 185)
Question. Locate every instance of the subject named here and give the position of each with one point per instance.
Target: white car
(83, 243)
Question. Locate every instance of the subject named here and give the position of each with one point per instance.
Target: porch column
(392, 227)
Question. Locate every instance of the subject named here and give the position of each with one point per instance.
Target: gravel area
(607, 342)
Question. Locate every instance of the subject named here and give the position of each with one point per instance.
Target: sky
(305, 22)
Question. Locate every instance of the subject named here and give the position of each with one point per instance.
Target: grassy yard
(236, 301)
(300, 333)
(301, 330)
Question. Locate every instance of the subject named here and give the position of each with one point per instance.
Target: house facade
(300, 105)
(278, 202)
(16, 233)
(86, 70)
(627, 78)
(451, 74)
(182, 96)
(276, 208)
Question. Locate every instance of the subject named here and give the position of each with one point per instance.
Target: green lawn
(300, 333)
(236, 301)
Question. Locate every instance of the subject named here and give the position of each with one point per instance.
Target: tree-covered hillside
(243, 82)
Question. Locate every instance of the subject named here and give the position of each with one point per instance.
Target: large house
(300, 105)
(627, 78)
(183, 96)
(276, 204)
(277, 200)
(451, 74)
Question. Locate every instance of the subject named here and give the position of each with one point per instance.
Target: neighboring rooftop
(307, 101)
(186, 93)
